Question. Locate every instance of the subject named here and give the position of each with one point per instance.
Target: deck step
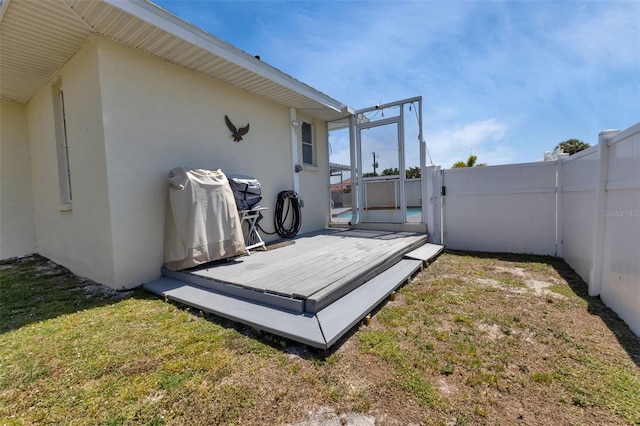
(261, 297)
(296, 326)
(325, 297)
(339, 317)
(426, 253)
(283, 317)
(320, 330)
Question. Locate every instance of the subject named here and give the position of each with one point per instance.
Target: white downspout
(295, 166)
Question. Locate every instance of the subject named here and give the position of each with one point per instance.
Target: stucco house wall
(314, 181)
(17, 230)
(130, 117)
(158, 116)
(79, 237)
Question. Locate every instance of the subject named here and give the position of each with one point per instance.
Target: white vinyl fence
(578, 178)
(381, 194)
(584, 208)
(615, 270)
(501, 209)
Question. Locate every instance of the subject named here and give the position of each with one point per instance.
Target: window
(307, 144)
(62, 146)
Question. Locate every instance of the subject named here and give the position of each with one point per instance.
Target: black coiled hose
(281, 216)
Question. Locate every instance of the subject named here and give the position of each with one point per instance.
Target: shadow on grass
(34, 289)
(286, 345)
(627, 339)
(279, 343)
(289, 346)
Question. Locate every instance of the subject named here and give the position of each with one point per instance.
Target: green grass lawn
(473, 339)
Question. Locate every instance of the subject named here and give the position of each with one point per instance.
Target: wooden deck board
(366, 270)
(247, 268)
(343, 276)
(335, 277)
(298, 265)
(313, 263)
(315, 275)
(355, 266)
(277, 301)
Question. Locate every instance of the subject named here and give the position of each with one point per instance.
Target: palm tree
(471, 162)
(571, 146)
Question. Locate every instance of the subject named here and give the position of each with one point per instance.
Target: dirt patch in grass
(33, 289)
(473, 339)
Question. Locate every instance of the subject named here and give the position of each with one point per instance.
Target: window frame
(62, 147)
(307, 143)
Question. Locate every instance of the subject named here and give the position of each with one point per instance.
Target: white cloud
(486, 139)
(363, 51)
(539, 66)
(542, 71)
(609, 37)
(470, 135)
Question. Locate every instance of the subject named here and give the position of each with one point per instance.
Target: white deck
(318, 266)
(312, 291)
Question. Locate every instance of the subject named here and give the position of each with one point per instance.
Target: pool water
(413, 215)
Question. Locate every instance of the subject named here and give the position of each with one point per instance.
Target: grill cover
(202, 222)
(246, 191)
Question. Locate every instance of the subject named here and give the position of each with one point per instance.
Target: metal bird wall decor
(236, 133)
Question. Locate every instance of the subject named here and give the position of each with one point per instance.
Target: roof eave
(159, 33)
(149, 12)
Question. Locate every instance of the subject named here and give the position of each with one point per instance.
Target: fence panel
(620, 285)
(585, 208)
(501, 208)
(578, 181)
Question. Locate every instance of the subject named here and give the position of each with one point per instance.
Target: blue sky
(504, 80)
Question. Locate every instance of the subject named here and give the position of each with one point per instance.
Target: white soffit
(38, 38)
